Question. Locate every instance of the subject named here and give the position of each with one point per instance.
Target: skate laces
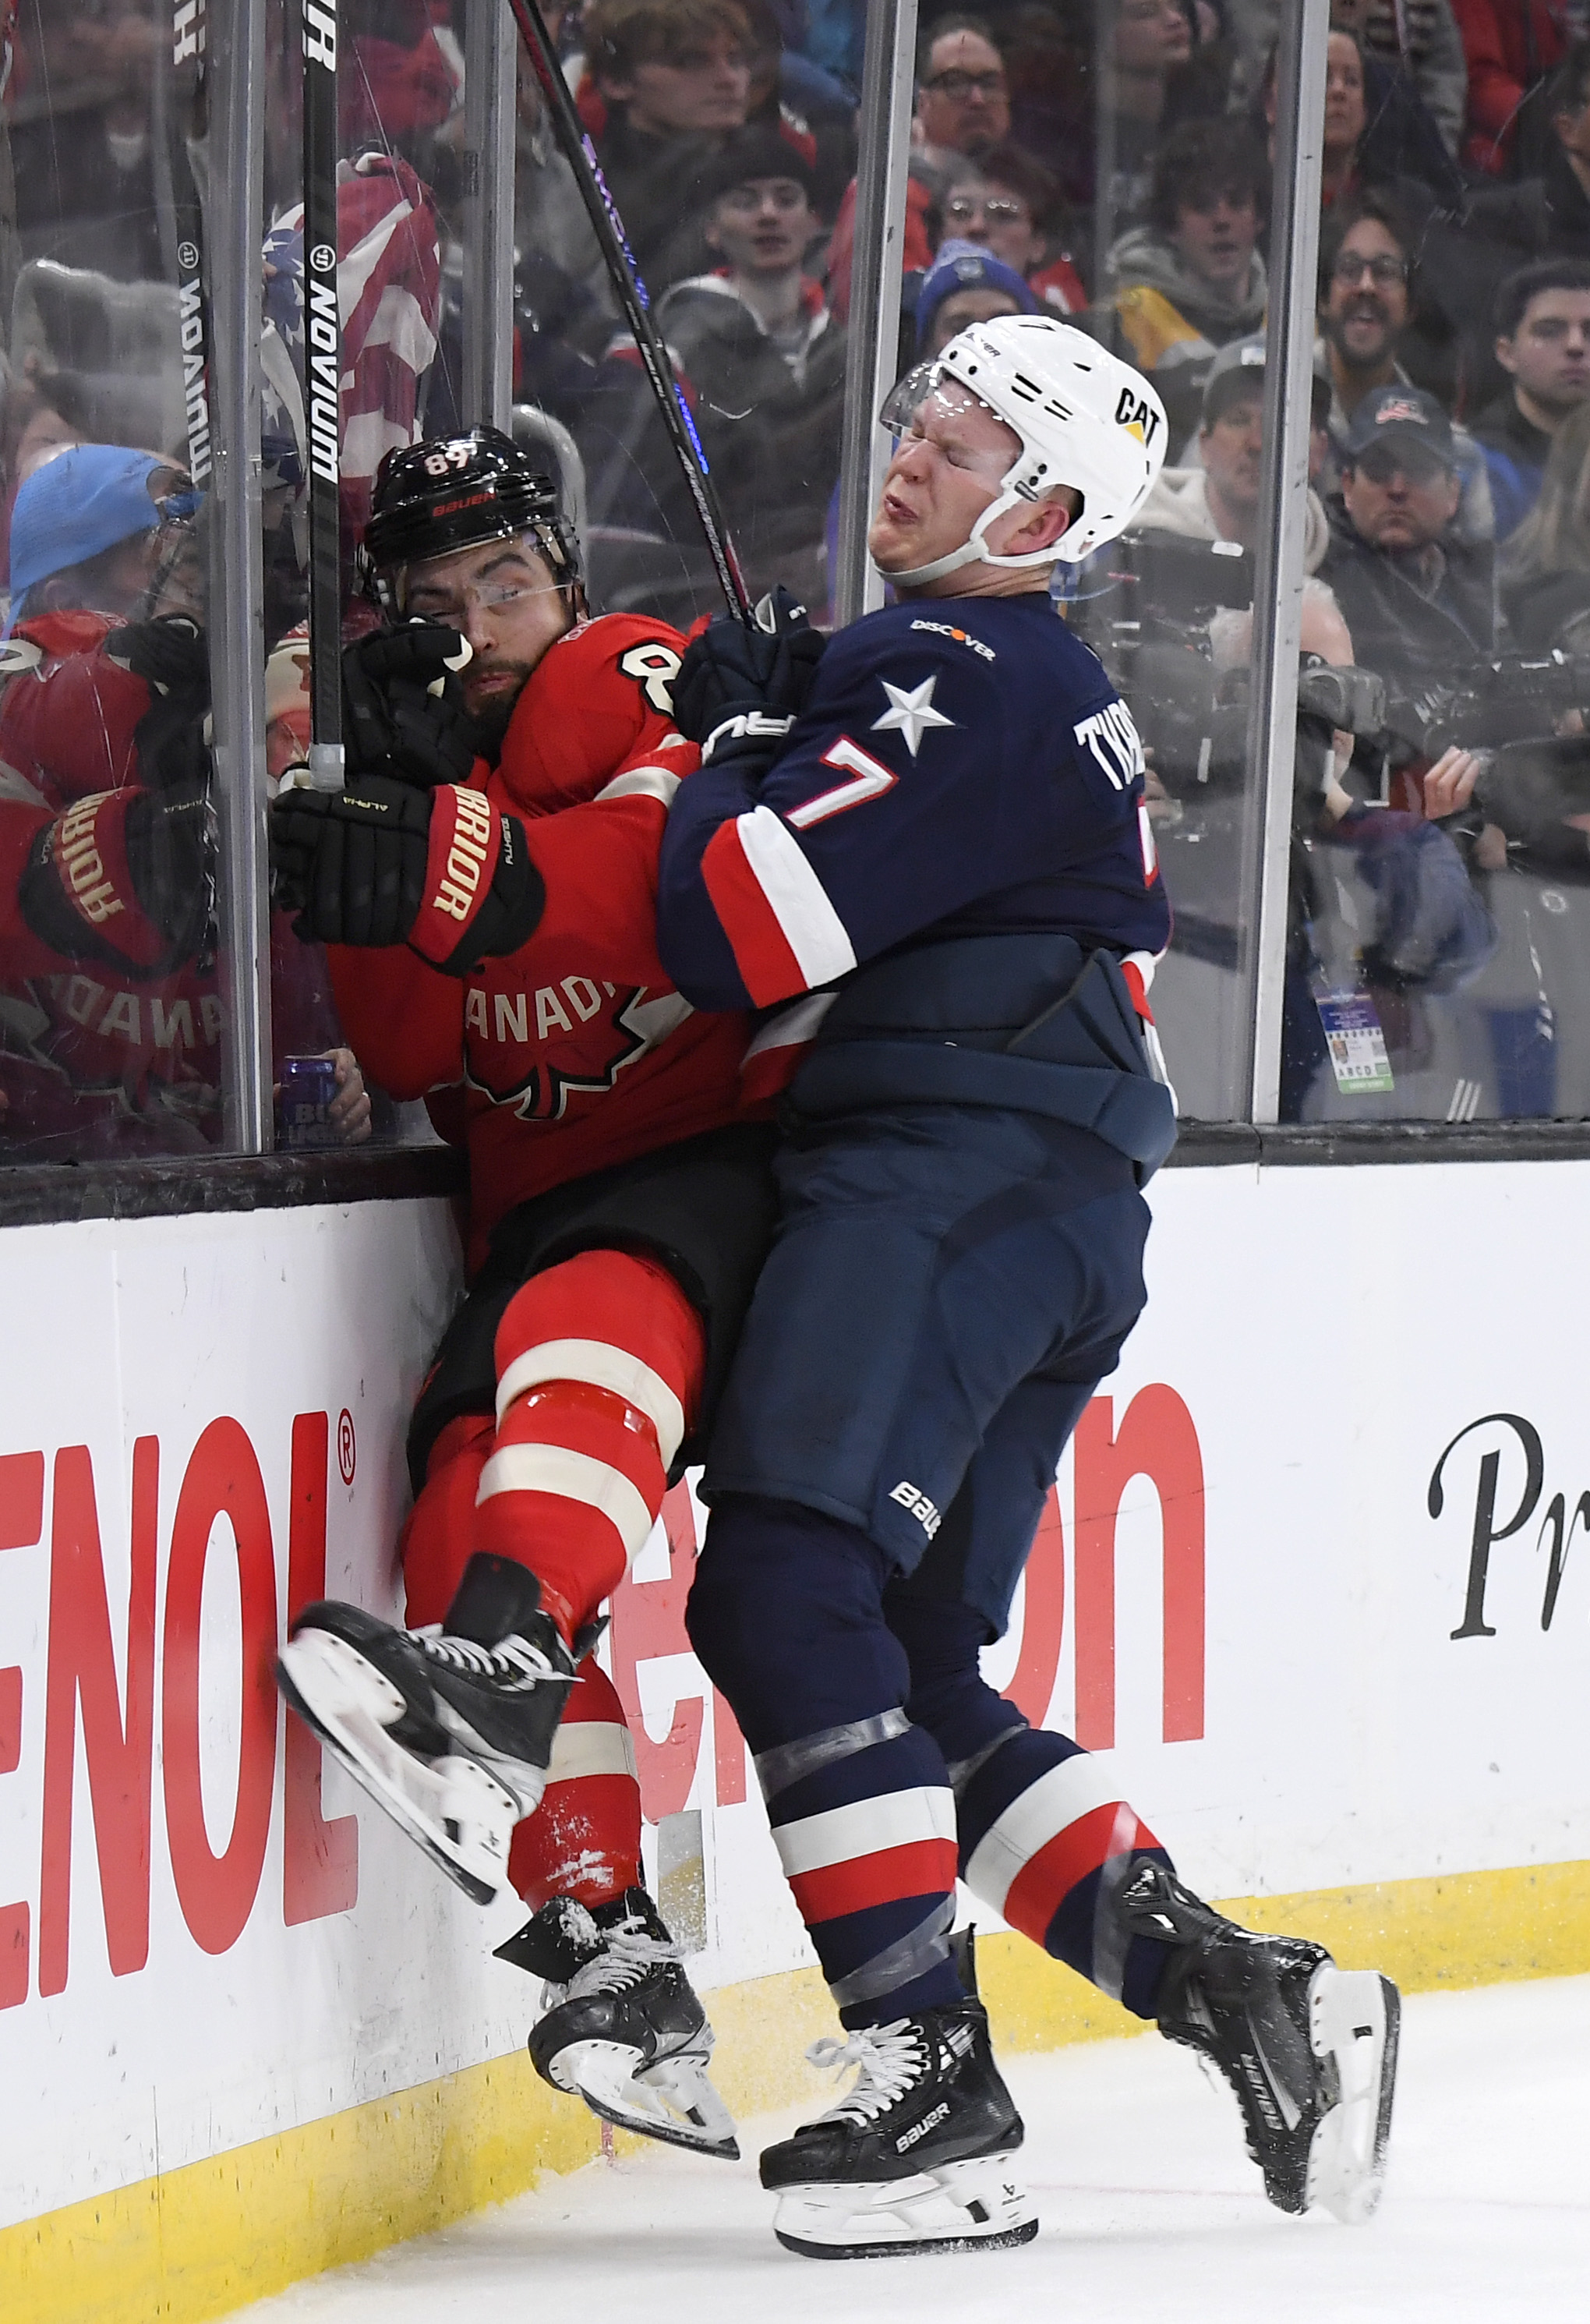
(629, 1953)
(512, 1660)
(889, 2060)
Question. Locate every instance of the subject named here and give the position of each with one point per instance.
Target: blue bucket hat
(966, 266)
(79, 505)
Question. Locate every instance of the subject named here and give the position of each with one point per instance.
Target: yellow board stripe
(199, 2242)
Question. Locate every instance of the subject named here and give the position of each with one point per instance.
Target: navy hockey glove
(735, 682)
(123, 877)
(403, 718)
(443, 871)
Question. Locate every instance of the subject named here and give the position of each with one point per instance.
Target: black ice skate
(623, 2028)
(918, 2157)
(1310, 2049)
(448, 1728)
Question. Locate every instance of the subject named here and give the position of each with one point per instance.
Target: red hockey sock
(583, 1841)
(437, 1541)
(599, 1369)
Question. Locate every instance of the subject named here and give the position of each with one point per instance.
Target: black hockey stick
(323, 363)
(189, 67)
(613, 244)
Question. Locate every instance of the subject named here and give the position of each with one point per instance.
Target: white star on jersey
(911, 712)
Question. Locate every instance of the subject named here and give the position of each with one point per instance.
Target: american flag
(388, 284)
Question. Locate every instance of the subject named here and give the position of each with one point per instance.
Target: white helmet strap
(975, 550)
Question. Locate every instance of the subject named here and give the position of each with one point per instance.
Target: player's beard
(490, 721)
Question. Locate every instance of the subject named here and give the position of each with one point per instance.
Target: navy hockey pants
(944, 1292)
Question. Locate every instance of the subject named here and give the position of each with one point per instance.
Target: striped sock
(864, 1823)
(1047, 1839)
(583, 1841)
(599, 1363)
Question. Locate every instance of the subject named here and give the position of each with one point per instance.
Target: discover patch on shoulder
(961, 638)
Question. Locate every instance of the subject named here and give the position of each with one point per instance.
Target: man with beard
(1366, 280)
(1191, 280)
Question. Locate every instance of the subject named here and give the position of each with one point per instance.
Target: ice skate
(916, 2157)
(448, 1728)
(623, 2028)
(1310, 2050)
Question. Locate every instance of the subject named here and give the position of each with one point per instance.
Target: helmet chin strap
(973, 550)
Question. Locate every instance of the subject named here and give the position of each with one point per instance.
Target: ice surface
(1150, 2208)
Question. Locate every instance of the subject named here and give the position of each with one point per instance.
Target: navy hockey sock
(1044, 1838)
(786, 1617)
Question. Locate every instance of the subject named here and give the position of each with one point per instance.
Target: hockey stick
(323, 363)
(190, 64)
(613, 244)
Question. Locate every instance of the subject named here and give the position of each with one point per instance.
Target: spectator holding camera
(1542, 319)
(1191, 280)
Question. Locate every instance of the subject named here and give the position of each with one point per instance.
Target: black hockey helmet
(453, 492)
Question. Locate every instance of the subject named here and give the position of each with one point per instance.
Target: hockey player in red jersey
(493, 925)
(110, 1012)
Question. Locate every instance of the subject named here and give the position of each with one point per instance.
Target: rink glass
(1340, 957)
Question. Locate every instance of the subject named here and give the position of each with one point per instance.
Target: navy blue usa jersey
(963, 766)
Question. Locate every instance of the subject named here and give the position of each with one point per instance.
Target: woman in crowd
(1545, 568)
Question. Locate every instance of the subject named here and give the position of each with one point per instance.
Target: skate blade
(673, 2100)
(1354, 2018)
(960, 2207)
(452, 1808)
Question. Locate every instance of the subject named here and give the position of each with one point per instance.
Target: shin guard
(599, 1367)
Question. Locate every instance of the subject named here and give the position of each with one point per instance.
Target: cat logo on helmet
(1137, 416)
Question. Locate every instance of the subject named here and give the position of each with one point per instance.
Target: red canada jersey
(576, 1051)
(96, 1060)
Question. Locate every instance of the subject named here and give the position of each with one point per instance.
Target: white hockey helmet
(1085, 419)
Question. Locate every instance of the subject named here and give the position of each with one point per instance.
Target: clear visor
(928, 393)
(434, 591)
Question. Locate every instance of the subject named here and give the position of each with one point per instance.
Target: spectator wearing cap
(1218, 498)
(758, 342)
(91, 531)
(1011, 205)
(1542, 319)
(1366, 311)
(1417, 598)
(674, 79)
(966, 285)
(1192, 281)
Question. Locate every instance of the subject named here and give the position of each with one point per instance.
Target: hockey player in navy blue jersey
(940, 855)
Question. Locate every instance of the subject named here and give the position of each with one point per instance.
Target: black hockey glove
(740, 690)
(442, 870)
(124, 877)
(403, 715)
(172, 656)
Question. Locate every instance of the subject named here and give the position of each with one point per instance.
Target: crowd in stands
(1111, 161)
